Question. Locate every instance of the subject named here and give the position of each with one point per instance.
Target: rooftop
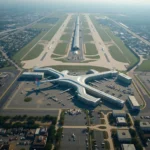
(144, 124)
(119, 112)
(128, 147)
(121, 120)
(134, 101)
(125, 76)
(123, 134)
(32, 73)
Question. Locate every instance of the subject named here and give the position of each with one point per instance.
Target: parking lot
(48, 96)
(74, 139)
(15, 141)
(98, 136)
(75, 120)
(115, 88)
(95, 119)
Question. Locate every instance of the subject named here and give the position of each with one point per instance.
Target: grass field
(25, 49)
(91, 49)
(69, 30)
(55, 56)
(88, 38)
(35, 52)
(116, 54)
(61, 49)
(54, 29)
(86, 31)
(132, 59)
(66, 37)
(145, 66)
(100, 30)
(93, 57)
(41, 26)
(78, 68)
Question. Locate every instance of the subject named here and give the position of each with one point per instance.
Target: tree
(132, 132)
(137, 123)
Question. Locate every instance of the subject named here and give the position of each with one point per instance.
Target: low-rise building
(121, 121)
(124, 78)
(32, 75)
(30, 134)
(133, 103)
(145, 126)
(128, 147)
(39, 142)
(119, 113)
(37, 131)
(123, 135)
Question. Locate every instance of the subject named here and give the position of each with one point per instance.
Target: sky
(80, 1)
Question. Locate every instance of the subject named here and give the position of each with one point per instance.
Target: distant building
(121, 121)
(37, 132)
(32, 75)
(124, 78)
(30, 134)
(133, 103)
(39, 142)
(123, 135)
(145, 126)
(128, 147)
(119, 113)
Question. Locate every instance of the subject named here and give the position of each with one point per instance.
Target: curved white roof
(79, 83)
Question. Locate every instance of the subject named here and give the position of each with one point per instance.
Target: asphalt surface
(75, 120)
(67, 142)
(13, 112)
(10, 79)
(99, 139)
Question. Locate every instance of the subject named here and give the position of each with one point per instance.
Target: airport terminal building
(85, 93)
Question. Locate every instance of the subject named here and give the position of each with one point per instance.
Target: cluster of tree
(111, 119)
(128, 120)
(29, 122)
(51, 137)
(58, 138)
(62, 118)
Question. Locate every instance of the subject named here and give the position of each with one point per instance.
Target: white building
(133, 103)
(85, 93)
(124, 78)
(121, 121)
(128, 147)
(119, 113)
(32, 75)
(145, 126)
(123, 135)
